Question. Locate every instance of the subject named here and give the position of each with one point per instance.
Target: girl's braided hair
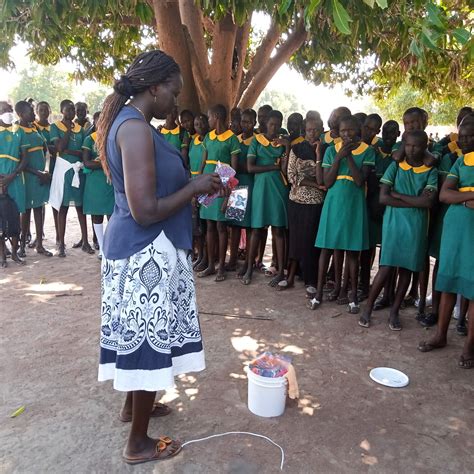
(148, 69)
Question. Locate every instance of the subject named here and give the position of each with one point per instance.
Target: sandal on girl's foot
(310, 292)
(32, 245)
(466, 362)
(17, 259)
(87, 249)
(62, 251)
(21, 251)
(284, 285)
(426, 346)
(364, 321)
(159, 410)
(275, 280)
(44, 252)
(165, 448)
(270, 271)
(353, 308)
(3, 264)
(220, 277)
(342, 300)
(332, 296)
(429, 320)
(206, 272)
(313, 304)
(394, 325)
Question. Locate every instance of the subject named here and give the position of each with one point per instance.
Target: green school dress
(72, 195)
(36, 194)
(444, 167)
(405, 229)
(270, 189)
(245, 179)
(11, 144)
(382, 162)
(344, 221)
(196, 149)
(175, 137)
(456, 262)
(98, 193)
(219, 148)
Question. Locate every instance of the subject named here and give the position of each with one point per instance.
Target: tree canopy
(374, 44)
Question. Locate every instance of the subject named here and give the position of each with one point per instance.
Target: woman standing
(150, 329)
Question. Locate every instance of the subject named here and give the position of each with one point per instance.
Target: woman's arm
(135, 142)
(449, 193)
(88, 163)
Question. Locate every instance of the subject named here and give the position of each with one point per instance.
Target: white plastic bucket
(266, 395)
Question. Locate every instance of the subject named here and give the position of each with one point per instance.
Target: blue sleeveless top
(124, 236)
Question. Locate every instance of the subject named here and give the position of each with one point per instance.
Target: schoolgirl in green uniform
(12, 182)
(267, 159)
(408, 190)
(332, 137)
(196, 150)
(370, 129)
(67, 136)
(37, 179)
(247, 126)
(456, 263)
(221, 145)
(99, 200)
(176, 135)
(343, 227)
(186, 120)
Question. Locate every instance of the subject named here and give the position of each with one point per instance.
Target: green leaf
(371, 3)
(427, 38)
(284, 6)
(461, 35)
(415, 48)
(382, 3)
(308, 13)
(341, 17)
(433, 15)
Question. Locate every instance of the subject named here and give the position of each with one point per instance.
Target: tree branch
(294, 41)
(262, 55)
(241, 45)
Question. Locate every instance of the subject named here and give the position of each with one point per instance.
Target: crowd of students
(330, 198)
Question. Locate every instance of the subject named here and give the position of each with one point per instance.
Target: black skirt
(9, 217)
(303, 223)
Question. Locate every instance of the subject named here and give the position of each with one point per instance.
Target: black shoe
(429, 321)
(420, 316)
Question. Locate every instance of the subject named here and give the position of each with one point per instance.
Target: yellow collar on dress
(247, 141)
(77, 128)
(264, 141)
(327, 137)
(41, 127)
(28, 129)
(375, 140)
(94, 136)
(221, 137)
(469, 159)
(6, 129)
(358, 151)
(196, 140)
(296, 141)
(175, 131)
(416, 169)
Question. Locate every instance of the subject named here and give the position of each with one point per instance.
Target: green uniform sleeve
(185, 142)
(54, 133)
(432, 179)
(454, 171)
(369, 157)
(390, 175)
(87, 144)
(234, 145)
(396, 146)
(329, 155)
(445, 165)
(253, 148)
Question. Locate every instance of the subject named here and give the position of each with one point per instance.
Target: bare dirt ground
(343, 422)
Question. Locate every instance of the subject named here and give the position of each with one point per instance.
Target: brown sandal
(165, 448)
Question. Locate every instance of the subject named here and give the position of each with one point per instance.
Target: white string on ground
(237, 433)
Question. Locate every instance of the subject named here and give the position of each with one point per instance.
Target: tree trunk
(172, 40)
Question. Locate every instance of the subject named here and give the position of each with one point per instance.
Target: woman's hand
(207, 183)
(469, 204)
(346, 150)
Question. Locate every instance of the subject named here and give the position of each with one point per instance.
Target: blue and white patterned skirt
(150, 328)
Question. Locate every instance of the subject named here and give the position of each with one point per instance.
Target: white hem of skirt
(152, 380)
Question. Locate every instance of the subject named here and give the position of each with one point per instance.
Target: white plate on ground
(389, 377)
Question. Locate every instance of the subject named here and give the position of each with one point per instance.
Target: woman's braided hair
(148, 69)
